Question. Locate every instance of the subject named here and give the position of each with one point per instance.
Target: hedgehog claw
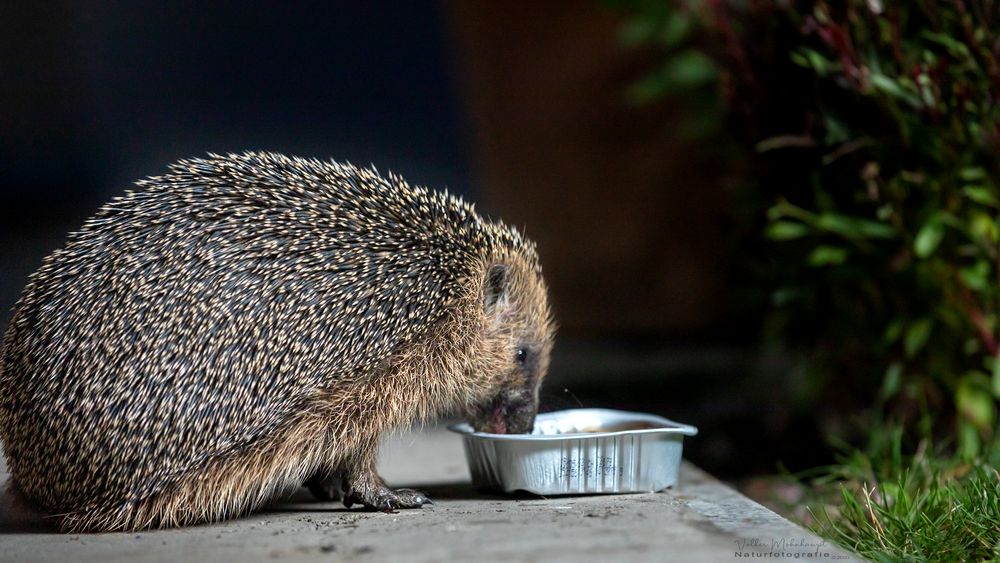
(386, 500)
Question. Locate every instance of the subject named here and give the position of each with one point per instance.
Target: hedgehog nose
(519, 415)
(521, 420)
(506, 415)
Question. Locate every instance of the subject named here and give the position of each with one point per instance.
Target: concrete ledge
(701, 520)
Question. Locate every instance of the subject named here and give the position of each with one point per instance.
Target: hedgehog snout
(510, 412)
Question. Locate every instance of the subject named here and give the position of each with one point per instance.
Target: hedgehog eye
(522, 356)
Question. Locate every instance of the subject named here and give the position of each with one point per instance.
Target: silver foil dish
(579, 451)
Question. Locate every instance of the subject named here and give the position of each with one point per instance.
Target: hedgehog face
(519, 341)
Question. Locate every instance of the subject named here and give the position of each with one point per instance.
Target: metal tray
(579, 451)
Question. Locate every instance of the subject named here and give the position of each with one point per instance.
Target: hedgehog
(245, 324)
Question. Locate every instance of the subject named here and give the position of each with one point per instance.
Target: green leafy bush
(870, 211)
(871, 135)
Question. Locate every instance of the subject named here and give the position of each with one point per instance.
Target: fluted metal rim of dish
(666, 426)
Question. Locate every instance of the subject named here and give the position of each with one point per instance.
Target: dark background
(517, 105)
(95, 95)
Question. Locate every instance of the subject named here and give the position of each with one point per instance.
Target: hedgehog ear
(495, 286)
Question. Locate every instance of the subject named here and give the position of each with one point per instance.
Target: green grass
(923, 507)
(953, 520)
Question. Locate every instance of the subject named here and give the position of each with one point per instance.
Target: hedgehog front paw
(379, 497)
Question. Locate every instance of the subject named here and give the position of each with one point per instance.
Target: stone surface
(700, 520)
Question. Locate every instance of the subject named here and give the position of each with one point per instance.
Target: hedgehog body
(245, 322)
